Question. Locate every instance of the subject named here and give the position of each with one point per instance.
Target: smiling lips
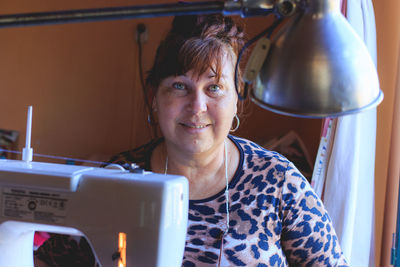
(195, 126)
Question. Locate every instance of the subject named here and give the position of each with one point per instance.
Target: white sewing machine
(151, 209)
(129, 219)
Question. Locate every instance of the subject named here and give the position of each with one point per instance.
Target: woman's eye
(178, 85)
(214, 88)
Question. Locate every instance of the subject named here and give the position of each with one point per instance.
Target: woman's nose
(198, 102)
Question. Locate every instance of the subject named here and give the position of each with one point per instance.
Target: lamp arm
(245, 8)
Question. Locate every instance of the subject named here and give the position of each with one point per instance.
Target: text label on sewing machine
(31, 204)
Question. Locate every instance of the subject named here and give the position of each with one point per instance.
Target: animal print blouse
(275, 218)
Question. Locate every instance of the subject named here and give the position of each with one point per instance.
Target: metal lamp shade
(317, 67)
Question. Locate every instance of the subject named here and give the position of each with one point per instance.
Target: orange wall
(82, 80)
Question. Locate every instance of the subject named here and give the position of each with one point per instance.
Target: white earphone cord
(226, 189)
(226, 186)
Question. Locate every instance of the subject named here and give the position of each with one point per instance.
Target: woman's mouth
(194, 126)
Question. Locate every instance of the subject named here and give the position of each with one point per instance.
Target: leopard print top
(275, 218)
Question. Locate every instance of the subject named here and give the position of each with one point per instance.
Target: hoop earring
(237, 124)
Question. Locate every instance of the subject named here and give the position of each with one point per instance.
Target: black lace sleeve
(66, 251)
(140, 156)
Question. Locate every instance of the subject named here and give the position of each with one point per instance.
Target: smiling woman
(248, 206)
(195, 113)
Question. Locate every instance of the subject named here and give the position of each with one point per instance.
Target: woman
(274, 218)
(248, 206)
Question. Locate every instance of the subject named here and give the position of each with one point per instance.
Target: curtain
(349, 187)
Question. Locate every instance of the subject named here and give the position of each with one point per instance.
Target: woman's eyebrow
(221, 77)
(213, 75)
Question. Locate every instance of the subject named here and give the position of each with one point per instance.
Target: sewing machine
(129, 219)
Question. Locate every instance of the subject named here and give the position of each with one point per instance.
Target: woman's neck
(204, 171)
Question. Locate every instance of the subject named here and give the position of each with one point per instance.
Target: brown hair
(193, 43)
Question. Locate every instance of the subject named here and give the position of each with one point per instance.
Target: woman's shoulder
(252, 151)
(267, 166)
(140, 155)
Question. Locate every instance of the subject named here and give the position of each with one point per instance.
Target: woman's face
(196, 113)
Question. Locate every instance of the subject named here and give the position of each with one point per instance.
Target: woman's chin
(197, 147)
(193, 140)
(195, 143)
